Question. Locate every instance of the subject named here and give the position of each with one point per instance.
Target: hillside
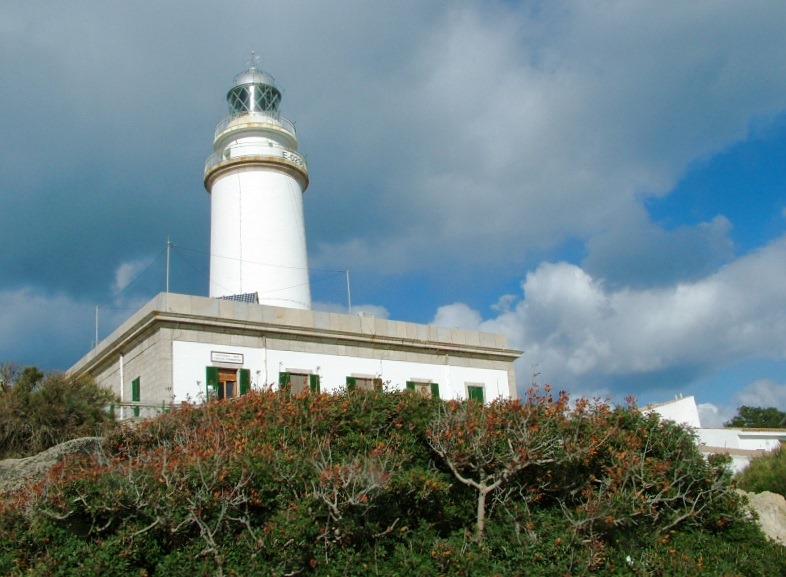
(386, 483)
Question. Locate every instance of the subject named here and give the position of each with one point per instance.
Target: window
(364, 384)
(135, 395)
(426, 388)
(296, 383)
(476, 392)
(225, 383)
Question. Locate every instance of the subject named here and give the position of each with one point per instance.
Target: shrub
(364, 483)
(38, 411)
(765, 473)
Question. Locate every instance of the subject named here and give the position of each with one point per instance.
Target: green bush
(765, 473)
(38, 411)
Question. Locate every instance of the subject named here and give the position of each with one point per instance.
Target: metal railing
(137, 410)
(256, 118)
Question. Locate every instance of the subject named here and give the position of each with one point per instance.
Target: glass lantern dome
(254, 92)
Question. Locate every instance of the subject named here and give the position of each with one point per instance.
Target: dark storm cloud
(634, 252)
(434, 135)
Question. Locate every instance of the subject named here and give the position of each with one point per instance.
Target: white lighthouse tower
(256, 179)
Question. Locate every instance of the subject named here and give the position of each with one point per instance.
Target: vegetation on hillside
(387, 483)
(38, 410)
(765, 473)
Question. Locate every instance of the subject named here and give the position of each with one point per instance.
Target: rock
(16, 472)
(771, 509)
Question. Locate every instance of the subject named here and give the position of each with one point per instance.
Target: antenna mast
(349, 295)
(168, 246)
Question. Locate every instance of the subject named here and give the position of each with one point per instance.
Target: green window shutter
(211, 382)
(283, 382)
(313, 383)
(245, 381)
(435, 390)
(135, 394)
(476, 394)
(351, 383)
(410, 385)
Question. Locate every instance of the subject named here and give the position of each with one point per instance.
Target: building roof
(228, 316)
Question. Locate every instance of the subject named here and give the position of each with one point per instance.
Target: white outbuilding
(740, 444)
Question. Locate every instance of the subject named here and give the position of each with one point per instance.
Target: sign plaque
(219, 357)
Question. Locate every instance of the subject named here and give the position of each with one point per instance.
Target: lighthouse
(256, 178)
(199, 348)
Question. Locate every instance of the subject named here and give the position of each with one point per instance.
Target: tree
(486, 446)
(758, 418)
(39, 410)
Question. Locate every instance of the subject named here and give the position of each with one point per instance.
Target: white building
(186, 348)
(741, 444)
(682, 410)
(261, 332)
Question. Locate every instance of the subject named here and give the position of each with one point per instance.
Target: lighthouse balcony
(254, 151)
(255, 120)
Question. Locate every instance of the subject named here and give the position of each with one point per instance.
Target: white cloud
(128, 272)
(760, 393)
(50, 331)
(582, 334)
(29, 317)
(457, 315)
(714, 416)
(763, 393)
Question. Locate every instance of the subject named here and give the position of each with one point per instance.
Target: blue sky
(602, 182)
